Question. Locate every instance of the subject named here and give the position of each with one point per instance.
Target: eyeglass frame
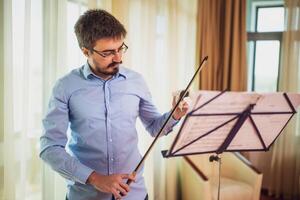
(112, 52)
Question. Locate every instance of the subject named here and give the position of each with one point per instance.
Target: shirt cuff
(171, 123)
(82, 174)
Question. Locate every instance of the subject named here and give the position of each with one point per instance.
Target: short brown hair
(96, 24)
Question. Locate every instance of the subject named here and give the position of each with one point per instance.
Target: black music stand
(233, 121)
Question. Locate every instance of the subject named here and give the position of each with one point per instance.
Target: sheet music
(208, 143)
(272, 102)
(202, 133)
(270, 125)
(246, 138)
(199, 126)
(232, 102)
(294, 97)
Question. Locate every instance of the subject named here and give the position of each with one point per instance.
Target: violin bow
(182, 95)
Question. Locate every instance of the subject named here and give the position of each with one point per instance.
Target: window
(265, 24)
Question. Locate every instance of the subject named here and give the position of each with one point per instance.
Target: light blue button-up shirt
(103, 137)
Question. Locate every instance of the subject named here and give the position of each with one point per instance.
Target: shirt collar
(87, 72)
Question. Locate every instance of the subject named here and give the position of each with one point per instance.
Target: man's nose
(117, 57)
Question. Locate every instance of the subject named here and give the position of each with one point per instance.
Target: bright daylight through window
(265, 24)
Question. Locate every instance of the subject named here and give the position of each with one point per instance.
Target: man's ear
(85, 51)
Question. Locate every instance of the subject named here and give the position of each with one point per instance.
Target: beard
(110, 70)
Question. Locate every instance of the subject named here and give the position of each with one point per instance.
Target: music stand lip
(166, 155)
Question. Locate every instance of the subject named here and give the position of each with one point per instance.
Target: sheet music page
(272, 122)
(208, 143)
(270, 125)
(272, 102)
(246, 139)
(294, 97)
(228, 102)
(196, 127)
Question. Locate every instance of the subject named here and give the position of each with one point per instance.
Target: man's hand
(181, 110)
(111, 184)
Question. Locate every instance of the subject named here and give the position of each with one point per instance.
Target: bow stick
(182, 95)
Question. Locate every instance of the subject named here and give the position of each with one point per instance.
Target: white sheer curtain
(22, 83)
(6, 164)
(285, 159)
(38, 46)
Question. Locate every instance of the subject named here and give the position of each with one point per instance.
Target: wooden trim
(199, 172)
(247, 162)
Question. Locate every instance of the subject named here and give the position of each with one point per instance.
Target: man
(101, 102)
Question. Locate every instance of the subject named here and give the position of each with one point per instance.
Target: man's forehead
(109, 43)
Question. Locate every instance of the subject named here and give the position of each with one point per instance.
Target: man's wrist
(91, 179)
(176, 117)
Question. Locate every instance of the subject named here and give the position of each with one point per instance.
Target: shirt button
(110, 140)
(112, 159)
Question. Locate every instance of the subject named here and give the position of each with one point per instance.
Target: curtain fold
(285, 155)
(7, 184)
(19, 157)
(1, 99)
(222, 37)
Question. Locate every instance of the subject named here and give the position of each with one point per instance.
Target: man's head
(101, 38)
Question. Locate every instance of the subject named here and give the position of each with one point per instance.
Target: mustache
(114, 64)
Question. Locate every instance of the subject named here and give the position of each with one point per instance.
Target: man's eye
(107, 53)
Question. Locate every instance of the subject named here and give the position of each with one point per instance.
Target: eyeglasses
(109, 53)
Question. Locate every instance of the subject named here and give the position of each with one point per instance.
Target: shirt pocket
(125, 104)
(86, 104)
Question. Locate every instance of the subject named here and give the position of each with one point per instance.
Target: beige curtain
(285, 155)
(222, 37)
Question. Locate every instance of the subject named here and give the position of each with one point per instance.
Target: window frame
(254, 36)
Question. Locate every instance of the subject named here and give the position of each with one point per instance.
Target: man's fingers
(116, 194)
(125, 186)
(185, 106)
(124, 176)
(128, 176)
(121, 190)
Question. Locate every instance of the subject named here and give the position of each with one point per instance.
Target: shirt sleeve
(150, 117)
(54, 139)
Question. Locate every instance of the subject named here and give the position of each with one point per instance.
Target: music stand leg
(219, 160)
